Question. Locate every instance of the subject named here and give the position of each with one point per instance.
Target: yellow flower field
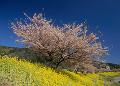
(23, 73)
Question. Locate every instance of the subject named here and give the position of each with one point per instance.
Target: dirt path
(113, 81)
(117, 78)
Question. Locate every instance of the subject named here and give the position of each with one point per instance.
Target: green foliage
(114, 66)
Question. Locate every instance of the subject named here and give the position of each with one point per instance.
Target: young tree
(56, 42)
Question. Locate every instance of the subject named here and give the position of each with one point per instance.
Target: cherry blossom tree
(70, 42)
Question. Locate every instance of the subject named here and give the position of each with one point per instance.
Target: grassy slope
(21, 72)
(111, 80)
(114, 81)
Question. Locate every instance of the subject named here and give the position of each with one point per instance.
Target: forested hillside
(29, 55)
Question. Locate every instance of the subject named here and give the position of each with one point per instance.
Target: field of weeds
(14, 72)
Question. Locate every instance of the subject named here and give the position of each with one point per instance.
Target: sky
(102, 13)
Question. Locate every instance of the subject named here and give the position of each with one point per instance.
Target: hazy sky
(104, 13)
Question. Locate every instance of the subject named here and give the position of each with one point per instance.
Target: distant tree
(60, 44)
(113, 66)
